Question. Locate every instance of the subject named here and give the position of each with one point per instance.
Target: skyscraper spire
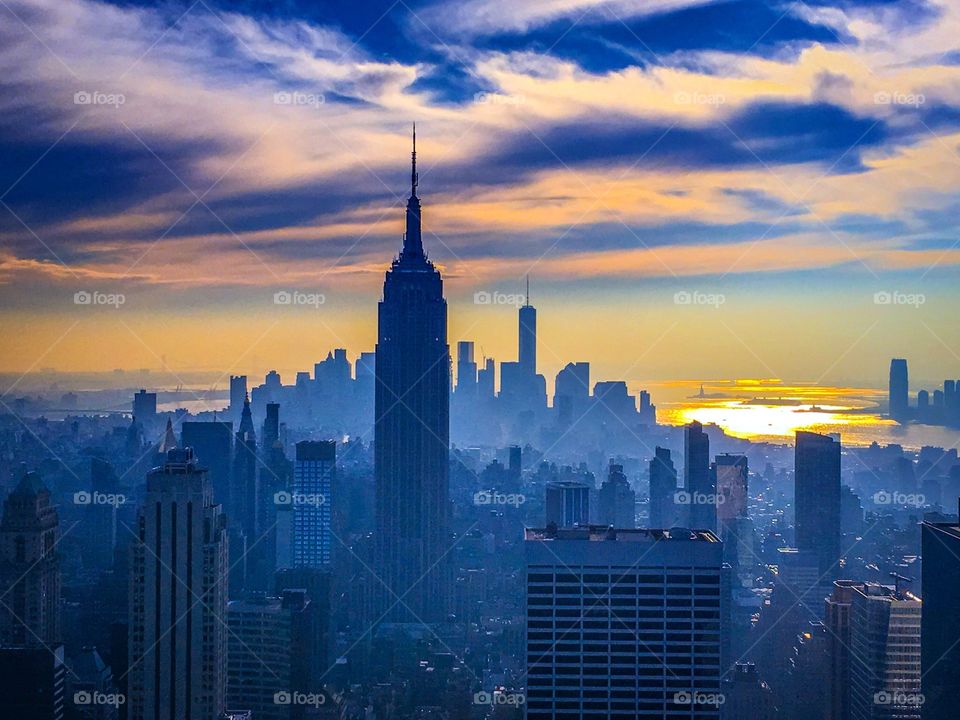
(413, 172)
(412, 243)
(527, 301)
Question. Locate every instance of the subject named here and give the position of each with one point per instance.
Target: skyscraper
(940, 653)
(29, 566)
(244, 492)
(178, 596)
(311, 499)
(730, 476)
(837, 621)
(617, 500)
(412, 432)
(212, 444)
(817, 498)
(899, 389)
(527, 330)
(238, 393)
(567, 503)
(145, 408)
(885, 654)
(700, 490)
(663, 490)
(466, 370)
(622, 624)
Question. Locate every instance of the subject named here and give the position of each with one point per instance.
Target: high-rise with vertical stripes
(178, 597)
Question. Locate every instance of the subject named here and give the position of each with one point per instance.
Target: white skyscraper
(178, 597)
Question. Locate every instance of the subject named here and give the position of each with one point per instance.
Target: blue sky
(197, 155)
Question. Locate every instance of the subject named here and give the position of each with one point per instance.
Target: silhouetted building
(32, 683)
(29, 566)
(592, 654)
(899, 390)
(817, 498)
(701, 493)
(238, 395)
(145, 408)
(527, 329)
(178, 596)
(212, 444)
(412, 432)
(466, 370)
(940, 654)
(663, 490)
(617, 500)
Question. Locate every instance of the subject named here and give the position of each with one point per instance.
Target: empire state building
(412, 433)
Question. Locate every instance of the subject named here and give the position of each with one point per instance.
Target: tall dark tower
(528, 336)
(817, 498)
(412, 432)
(899, 389)
(700, 486)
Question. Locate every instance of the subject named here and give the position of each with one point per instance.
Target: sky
(697, 188)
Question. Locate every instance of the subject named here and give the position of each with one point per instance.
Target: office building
(311, 500)
(701, 493)
(837, 621)
(412, 432)
(899, 390)
(29, 566)
(212, 444)
(663, 490)
(884, 654)
(622, 623)
(940, 652)
(817, 498)
(267, 653)
(730, 477)
(567, 503)
(617, 506)
(178, 596)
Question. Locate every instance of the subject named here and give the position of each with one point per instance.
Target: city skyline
(752, 167)
(648, 407)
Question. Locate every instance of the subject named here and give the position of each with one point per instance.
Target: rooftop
(603, 533)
